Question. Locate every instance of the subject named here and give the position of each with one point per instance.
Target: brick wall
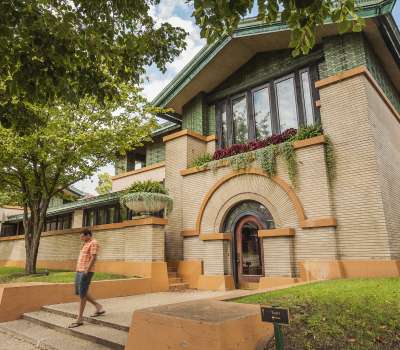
(351, 50)
(155, 153)
(386, 134)
(357, 201)
(134, 243)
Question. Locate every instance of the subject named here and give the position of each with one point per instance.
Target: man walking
(84, 274)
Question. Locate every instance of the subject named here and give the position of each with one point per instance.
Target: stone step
(248, 285)
(172, 274)
(107, 336)
(99, 321)
(45, 338)
(178, 286)
(175, 280)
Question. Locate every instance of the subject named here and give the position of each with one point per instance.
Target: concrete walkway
(120, 310)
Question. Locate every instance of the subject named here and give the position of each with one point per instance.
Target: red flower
(274, 139)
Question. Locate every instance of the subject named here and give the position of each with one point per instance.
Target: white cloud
(89, 185)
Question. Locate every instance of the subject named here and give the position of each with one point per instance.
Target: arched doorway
(243, 221)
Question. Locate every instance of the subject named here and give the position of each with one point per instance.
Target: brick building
(237, 225)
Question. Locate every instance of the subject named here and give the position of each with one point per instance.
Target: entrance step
(102, 334)
(99, 321)
(175, 280)
(173, 274)
(45, 338)
(178, 286)
(249, 285)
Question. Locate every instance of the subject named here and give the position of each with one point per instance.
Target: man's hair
(86, 232)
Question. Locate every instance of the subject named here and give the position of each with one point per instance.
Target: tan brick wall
(357, 201)
(179, 154)
(135, 243)
(386, 133)
(279, 256)
(122, 183)
(313, 191)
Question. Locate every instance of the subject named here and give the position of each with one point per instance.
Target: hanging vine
(267, 159)
(241, 156)
(330, 160)
(289, 155)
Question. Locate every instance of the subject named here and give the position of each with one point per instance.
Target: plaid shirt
(88, 249)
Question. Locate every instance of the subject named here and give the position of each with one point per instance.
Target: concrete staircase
(175, 281)
(47, 329)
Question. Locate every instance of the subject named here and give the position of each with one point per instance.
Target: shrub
(202, 160)
(307, 132)
(148, 186)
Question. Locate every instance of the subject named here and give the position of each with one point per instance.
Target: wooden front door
(249, 256)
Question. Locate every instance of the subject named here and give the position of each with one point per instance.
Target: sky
(178, 13)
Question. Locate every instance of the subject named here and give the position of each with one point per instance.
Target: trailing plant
(149, 199)
(241, 161)
(289, 155)
(148, 186)
(267, 158)
(306, 132)
(330, 160)
(202, 160)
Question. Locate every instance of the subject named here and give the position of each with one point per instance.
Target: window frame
(271, 85)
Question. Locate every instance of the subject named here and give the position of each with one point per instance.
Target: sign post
(278, 316)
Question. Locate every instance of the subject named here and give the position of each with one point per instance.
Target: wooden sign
(275, 315)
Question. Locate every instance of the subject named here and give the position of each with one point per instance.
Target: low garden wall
(18, 298)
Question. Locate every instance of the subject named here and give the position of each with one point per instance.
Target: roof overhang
(215, 62)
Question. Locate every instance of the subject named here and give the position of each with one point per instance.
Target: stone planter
(147, 203)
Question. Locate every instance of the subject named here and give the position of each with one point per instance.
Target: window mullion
(274, 109)
(251, 124)
(299, 100)
(229, 122)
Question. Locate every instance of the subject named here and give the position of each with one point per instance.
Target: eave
(222, 58)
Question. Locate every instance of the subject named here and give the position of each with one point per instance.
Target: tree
(66, 67)
(61, 50)
(71, 143)
(218, 18)
(105, 183)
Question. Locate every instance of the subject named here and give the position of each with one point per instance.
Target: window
(239, 117)
(286, 104)
(103, 215)
(262, 113)
(307, 98)
(222, 125)
(277, 105)
(59, 222)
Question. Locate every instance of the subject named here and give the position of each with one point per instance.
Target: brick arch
(279, 182)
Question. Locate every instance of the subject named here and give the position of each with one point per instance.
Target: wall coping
(317, 140)
(138, 171)
(126, 223)
(189, 233)
(277, 232)
(360, 70)
(191, 133)
(215, 236)
(319, 222)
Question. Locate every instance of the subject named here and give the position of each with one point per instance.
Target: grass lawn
(339, 314)
(16, 274)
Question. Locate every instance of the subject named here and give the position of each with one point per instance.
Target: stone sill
(126, 223)
(317, 140)
(138, 171)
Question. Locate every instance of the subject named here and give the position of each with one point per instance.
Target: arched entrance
(243, 221)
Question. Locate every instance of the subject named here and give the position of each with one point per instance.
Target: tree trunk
(33, 232)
